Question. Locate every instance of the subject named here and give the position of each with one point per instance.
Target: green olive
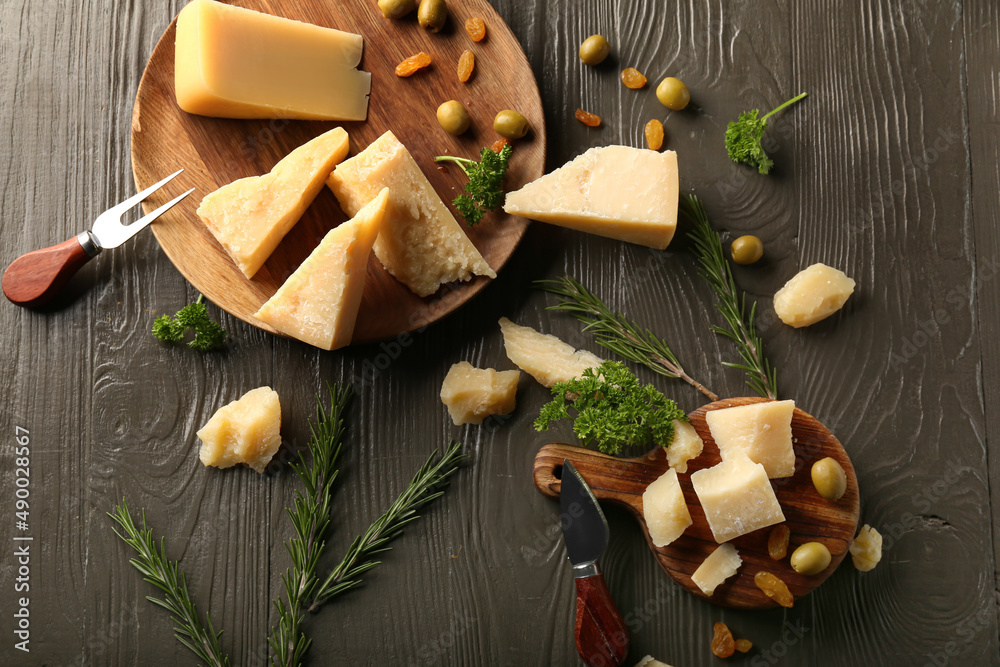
(432, 14)
(594, 50)
(510, 124)
(673, 94)
(810, 558)
(747, 249)
(396, 9)
(829, 478)
(453, 117)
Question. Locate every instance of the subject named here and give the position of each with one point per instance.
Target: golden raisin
(654, 135)
(476, 29)
(777, 541)
(466, 63)
(412, 64)
(499, 144)
(632, 78)
(743, 645)
(587, 118)
(774, 588)
(722, 641)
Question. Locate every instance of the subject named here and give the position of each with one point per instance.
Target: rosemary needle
(615, 332)
(166, 575)
(740, 329)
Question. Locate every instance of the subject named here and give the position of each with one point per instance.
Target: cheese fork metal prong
(34, 278)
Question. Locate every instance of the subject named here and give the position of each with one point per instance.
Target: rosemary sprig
(714, 268)
(310, 517)
(615, 332)
(166, 575)
(425, 486)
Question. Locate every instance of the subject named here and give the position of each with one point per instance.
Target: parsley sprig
(208, 334)
(484, 191)
(610, 408)
(743, 138)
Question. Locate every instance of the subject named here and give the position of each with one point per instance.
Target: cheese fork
(34, 278)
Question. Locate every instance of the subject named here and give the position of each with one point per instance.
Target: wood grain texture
(34, 278)
(217, 151)
(808, 516)
(482, 578)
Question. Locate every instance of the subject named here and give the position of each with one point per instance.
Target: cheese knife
(602, 638)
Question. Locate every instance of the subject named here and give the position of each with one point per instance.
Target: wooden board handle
(34, 278)
(614, 479)
(601, 635)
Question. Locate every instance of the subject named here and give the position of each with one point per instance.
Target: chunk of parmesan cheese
(245, 431)
(650, 661)
(472, 394)
(866, 549)
(687, 445)
(664, 509)
(421, 243)
(762, 431)
(719, 566)
(624, 193)
(544, 357)
(318, 304)
(249, 217)
(814, 293)
(737, 497)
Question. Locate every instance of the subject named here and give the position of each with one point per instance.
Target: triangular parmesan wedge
(249, 217)
(543, 356)
(629, 194)
(318, 304)
(421, 243)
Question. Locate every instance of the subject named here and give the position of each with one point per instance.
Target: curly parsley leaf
(484, 191)
(208, 334)
(743, 138)
(611, 409)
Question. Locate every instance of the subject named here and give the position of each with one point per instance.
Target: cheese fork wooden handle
(35, 277)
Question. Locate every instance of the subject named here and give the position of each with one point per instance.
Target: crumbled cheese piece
(245, 431)
(866, 550)
(664, 509)
(719, 566)
(687, 445)
(472, 394)
(813, 294)
(544, 357)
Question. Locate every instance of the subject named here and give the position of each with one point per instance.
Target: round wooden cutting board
(809, 516)
(215, 151)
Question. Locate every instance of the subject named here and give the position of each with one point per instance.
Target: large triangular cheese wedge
(421, 243)
(318, 304)
(249, 217)
(629, 194)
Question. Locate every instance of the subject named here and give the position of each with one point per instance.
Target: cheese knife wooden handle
(602, 638)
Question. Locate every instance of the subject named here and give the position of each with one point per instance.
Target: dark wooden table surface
(888, 170)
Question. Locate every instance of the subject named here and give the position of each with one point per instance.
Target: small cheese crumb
(866, 550)
(664, 510)
(719, 566)
(686, 446)
(245, 431)
(472, 394)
